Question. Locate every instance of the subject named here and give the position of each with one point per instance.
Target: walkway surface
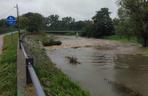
(21, 73)
(22, 88)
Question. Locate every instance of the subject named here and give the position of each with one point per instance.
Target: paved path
(22, 88)
(21, 73)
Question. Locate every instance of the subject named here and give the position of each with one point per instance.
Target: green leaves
(102, 24)
(135, 12)
(33, 22)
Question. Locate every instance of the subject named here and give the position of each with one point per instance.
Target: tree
(67, 23)
(137, 11)
(88, 30)
(68, 20)
(123, 24)
(53, 21)
(34, 21)
(103, 24)
(23, 22)
(2, 22)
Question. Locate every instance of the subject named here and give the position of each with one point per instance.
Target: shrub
(51, 42)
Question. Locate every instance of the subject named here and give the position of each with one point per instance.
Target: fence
(30, 72)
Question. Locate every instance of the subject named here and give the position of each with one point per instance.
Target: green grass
(54, 81)
(121, 38)
(8, 66)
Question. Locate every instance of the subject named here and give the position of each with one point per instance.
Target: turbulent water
(106, 68)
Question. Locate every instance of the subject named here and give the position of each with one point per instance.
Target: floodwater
(107, 68)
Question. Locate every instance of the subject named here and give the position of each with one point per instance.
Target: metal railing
(31, 74)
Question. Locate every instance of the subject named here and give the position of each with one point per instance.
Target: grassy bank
(54, 81)
(125, 39)
(8, 66)
(121, 38)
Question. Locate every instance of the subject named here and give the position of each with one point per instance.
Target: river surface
(107, 68)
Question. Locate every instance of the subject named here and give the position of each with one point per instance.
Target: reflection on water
(99, 67)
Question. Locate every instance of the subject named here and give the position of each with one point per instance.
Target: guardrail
(31, 74)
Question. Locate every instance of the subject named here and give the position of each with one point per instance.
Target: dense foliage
(33, 22)
(101, 25)
(49, 41)
(66, 23)
(133, 19)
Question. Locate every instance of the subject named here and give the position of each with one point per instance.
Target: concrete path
(21, 73)
(22, 88)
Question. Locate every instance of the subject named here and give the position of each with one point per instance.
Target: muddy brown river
(107, 68)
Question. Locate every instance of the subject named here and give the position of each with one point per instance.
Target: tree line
(132, 21)
(100, 25)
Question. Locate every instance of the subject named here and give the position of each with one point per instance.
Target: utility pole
(18, 22)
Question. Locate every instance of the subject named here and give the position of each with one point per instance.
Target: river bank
(54, 81)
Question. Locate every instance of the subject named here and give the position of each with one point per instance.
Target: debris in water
(72, 60)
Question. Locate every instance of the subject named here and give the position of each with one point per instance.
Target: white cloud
(79, 9)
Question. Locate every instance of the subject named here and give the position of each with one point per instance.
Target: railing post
(29, 61)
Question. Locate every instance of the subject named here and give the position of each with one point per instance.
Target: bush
(51, 42)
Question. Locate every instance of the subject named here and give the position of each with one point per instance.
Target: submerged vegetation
(72, 60)
(8, 66)
(55, 83)
(50, 42)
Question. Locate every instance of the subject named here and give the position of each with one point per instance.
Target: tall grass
(8, 66)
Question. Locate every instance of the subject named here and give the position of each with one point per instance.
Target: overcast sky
(79, 9)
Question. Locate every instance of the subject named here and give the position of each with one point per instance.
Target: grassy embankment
(54, 81)
(8, 66)
(121, 38)
(125, 39)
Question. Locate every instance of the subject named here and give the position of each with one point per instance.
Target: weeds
(49, 41)
(72, 60)
(8, 66)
